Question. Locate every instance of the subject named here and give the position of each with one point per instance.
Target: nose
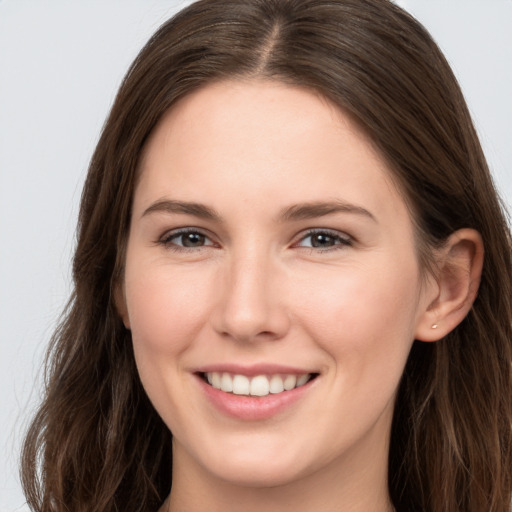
(251, 300)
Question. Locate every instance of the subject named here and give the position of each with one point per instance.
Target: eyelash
(167, 240)
(340, 241)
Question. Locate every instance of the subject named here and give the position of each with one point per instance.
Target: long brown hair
(98, 444)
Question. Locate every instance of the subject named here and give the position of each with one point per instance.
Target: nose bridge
(250, 304)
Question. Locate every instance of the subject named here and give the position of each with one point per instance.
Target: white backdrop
(60, 65)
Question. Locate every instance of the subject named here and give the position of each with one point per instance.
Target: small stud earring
(434, 326)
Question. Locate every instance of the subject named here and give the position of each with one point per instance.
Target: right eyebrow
(184, 207)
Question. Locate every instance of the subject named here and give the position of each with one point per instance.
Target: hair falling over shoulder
(96, 442)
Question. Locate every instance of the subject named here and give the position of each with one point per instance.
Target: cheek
(166, 318)
(369, 312)
(164, 311)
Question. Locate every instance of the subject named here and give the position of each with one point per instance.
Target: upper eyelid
(187, 229)
(329, 231)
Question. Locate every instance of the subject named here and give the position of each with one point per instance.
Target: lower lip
(251, 408)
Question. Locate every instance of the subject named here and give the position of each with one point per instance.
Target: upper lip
(253, 369)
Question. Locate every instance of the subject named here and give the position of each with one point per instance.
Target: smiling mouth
(258, 386)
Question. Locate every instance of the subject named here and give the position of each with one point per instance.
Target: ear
(120, 303)
(459, 265)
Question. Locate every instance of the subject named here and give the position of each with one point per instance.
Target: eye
(185, 239)
(324, 239)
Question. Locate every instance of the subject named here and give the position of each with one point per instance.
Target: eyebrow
(320, 209)
(296, 212)
(171, 206)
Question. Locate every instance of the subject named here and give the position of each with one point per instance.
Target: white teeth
(261, 385)
(289, 382)
(226, 382)
(216, 380)
(302, 380)
(241, 385)
(276, 384)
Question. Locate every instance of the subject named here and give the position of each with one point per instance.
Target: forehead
(260, 138)
(245, 108)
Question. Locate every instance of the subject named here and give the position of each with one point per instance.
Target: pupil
(193, 240)
(322, 240)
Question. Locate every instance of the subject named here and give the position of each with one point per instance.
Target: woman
(280, 260)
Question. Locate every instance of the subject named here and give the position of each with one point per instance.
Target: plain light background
(60, 65)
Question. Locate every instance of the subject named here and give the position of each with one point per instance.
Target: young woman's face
(270, 254)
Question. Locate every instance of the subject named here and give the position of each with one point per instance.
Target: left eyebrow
(320, 209)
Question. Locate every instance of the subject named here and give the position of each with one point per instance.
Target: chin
(259, 465)
(259, 475)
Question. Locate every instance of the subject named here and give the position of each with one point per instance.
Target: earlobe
(120, 303)
(459, 265)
